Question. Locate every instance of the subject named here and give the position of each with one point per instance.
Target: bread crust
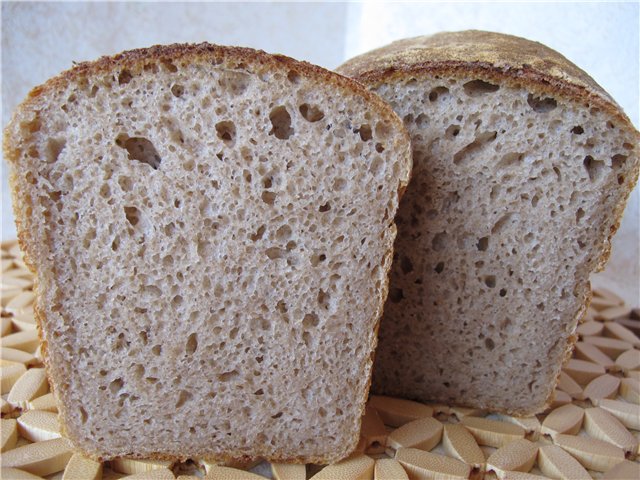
(134, 61)
(509, 60)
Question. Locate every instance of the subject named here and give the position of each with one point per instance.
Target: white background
(41, 39)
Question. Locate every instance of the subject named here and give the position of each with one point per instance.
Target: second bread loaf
(522, 168)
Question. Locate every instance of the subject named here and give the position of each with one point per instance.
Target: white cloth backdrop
(42, 39)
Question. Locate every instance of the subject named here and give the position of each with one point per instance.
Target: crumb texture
(510, 207)
(211, 241)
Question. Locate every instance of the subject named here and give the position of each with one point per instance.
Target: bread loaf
(211, 230)
(522, 167)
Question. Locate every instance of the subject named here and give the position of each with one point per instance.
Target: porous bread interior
(211, 247)
(509, 209)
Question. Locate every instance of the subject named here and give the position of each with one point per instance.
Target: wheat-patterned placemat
(591, 430)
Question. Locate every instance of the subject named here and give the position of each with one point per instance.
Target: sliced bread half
(211, 230)
(522, 167)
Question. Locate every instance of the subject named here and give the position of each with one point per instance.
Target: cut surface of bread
(211, 230)
(522, 168)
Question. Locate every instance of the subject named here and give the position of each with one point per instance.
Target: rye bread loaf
(522, 168)
(211, 230)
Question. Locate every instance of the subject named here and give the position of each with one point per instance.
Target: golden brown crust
(504, 59)
(134, 62)
(489, 55)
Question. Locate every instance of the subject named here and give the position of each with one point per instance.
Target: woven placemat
(592, 430)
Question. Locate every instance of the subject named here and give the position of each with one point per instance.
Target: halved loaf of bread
(522, 167)
(211, 229)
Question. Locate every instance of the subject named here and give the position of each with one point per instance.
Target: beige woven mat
(591, 431)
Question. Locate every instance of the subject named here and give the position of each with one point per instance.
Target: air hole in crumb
(439, 241)
(310, 320)
(489, 344)
(177, 90)
(54, 148)
(132, 215)
(620, 179)
(311, 113)
(168, 65)
(323, 299)
(156, 350)
(83, 415)
(511, 159)
(379, 148)
(593, 167)
(277, 415)
(282, 306)
(339, 184)
(283, 233)
(226, 131)
(490, 281)
(192, 344)
(541, 105)
(405, 265)
(376, 166)
(475, 88)
(316, 259)
(618, 161)
(268, 197)
(281, 123)
(503, 292)
(452, 131)
(396, 294)
(439, 267)
(116, 385)
(365, 132)
(502, 223)
(558, 173)
(234, 82)
(324, 208)
(437, 92)
(124, 77)
(293, 76)
(274, 253)
(228, 376)
(140, 149)
(183, 397)
(579, 214)
(464, 155)
(259, 233)
(534, 200)
(577, 130)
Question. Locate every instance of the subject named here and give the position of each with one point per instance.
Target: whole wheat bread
(522, 167)
(211, 230)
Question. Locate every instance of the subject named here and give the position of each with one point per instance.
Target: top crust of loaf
(511, 59)
(134, 61)
(504, 59)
